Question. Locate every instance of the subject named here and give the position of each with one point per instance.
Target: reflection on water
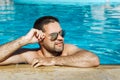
(7, 14)
(6, 10)
(6, 2)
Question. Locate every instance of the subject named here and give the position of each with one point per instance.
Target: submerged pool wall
(62, 1)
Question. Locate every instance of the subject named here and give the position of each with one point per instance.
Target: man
(50, 36)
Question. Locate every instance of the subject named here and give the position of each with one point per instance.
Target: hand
(34, 36)
(43, 62)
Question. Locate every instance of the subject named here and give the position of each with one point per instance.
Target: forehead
(52, 27)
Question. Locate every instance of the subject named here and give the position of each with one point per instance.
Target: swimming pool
(94, 27)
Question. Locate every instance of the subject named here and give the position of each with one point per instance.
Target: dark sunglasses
(55, 35)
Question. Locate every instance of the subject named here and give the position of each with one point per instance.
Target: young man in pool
(50, 36)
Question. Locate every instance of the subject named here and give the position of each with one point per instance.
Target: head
(53, 41)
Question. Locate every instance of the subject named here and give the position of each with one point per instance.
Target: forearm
(7, 49)
(15, 59)
(76, 60)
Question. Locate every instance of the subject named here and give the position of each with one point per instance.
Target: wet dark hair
(40, 22)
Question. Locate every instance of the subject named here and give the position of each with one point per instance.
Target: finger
(35, 61)
(41, 36)
(31, 32)
(39, 33)
(37, 65)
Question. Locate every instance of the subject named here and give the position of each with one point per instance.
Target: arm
(81, 58)
(23, 55)
(8, 49)
(14, 60)
(75, 58)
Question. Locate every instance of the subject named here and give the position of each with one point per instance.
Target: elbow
(95, 62)
(1, 60)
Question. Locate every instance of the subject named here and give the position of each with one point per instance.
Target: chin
(58, 53)
(59, 50)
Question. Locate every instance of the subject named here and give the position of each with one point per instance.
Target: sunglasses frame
(54, 35)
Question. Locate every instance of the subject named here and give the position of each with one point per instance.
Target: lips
(59, 43)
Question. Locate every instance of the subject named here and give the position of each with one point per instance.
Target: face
(54, 41)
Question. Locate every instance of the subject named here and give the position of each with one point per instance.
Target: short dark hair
(40, 22)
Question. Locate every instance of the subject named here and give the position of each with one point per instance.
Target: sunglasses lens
(54, 36)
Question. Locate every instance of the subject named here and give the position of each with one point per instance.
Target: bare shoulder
(71, 49)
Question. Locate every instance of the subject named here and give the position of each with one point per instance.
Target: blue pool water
(94, 27)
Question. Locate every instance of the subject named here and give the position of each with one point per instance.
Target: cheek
(48, 42)
(48, 45)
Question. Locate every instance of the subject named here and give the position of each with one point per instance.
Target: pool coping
(24, 72)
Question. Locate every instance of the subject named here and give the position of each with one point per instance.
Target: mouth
(60, 44)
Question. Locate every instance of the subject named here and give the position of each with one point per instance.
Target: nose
(60, 37)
